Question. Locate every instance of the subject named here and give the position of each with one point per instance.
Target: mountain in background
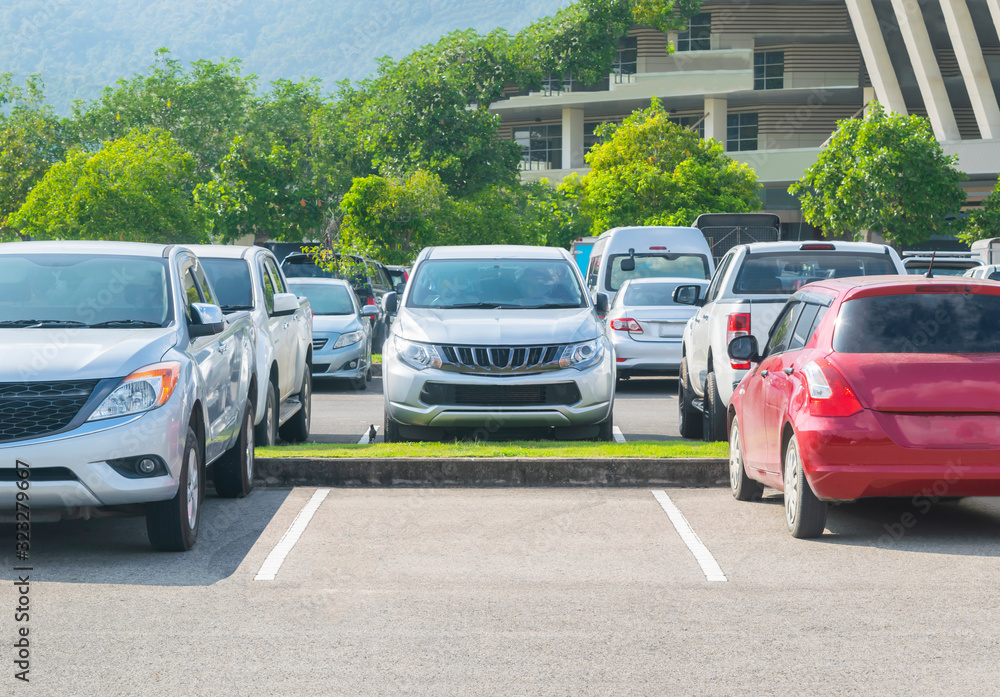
(81, 46)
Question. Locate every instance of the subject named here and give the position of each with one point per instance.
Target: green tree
(983, 222)
(137, 188)
(884, 174)
(649, 171)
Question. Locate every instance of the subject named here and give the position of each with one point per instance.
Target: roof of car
(223, 251)
(496, 251)
(665, 279)
(311, 281)
(795, 246)
(839, 286)
(138, 249)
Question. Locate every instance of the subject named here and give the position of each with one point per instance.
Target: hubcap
(735, 459)
(791, 486)
(248, 455)
(192, 489)
(307, 399)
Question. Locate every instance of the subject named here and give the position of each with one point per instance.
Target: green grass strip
(526, 449)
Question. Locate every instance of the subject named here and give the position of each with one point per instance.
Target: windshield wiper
(235, 308)
(41, 323)
(20, 322)
(551, 306)
(126, 323)
(485, 306)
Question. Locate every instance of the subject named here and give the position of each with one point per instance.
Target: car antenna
(930, 269)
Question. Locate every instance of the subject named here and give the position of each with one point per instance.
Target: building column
(572, 139)
(925, 67)
(716, 113)
(970, 60)
(876, 55)
(995, 11)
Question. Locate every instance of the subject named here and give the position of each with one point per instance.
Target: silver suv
(496, 337)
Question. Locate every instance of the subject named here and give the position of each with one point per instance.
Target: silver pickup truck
(120, 381)
(248, 279)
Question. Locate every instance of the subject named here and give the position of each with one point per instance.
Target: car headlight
(143, 390)
(417, 355)
(348, 339)
(582, 355)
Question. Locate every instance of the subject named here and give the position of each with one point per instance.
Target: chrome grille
(500, 359)
(319, 343)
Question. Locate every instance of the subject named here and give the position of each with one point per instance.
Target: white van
(647, 252)
(988, 250)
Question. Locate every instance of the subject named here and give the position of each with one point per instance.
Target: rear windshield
(919, 323)
(656, 266)
(304, 267)
(783, 274)
(649, 294)
(941, 268)
(496, 283)
(326, 299)
(231, 280)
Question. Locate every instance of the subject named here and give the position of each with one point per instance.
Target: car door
(282, 335)
(701, 326)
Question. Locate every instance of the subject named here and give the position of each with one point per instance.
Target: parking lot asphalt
(645, 409)
(517, 592)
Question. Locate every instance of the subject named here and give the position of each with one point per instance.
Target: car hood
(335, 324)
(31, 355)
(498, 327)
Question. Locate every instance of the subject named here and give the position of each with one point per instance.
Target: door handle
(788, 371)
(285, 325)
(223, 348)
(764, 373)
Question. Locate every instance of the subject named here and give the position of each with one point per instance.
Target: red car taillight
(829, 393)
(626, 324)
(738, 325)
(370, 301)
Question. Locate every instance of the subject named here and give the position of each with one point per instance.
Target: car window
(231, 280)
(190, 290)
(778, 341)
(268, 290)
(206, 287)
(276, 279)
(592, 271)
(377, 280)
(496, 283)
(787, 272)
(648, 294)
(995, 276)
(328, 299)
(803, 327)
(716, 285)
(655, 266)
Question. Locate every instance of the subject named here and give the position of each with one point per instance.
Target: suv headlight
(582, 355)
(417, 355)
(143, 390)
(348, 339)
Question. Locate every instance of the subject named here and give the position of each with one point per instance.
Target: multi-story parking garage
(770, 80)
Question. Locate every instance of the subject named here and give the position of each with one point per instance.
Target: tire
(390, 430)
(172, 525)
(359, 384)
(714, 418)
(606, 428)
(296, 429)
(267, 430)
(804, 513)
(233, 472)
(689, 418)
(744, 488)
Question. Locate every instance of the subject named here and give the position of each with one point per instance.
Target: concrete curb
(491, 472)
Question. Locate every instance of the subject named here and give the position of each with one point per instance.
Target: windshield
(656, 266)
(783, 274)
(496, 283)
(919, 323)
(303, 267)
(650, 294)
(941, 268)
(83, 290)
(231, 280)
(326, 299)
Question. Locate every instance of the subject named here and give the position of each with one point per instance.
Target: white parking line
(277, 556)
(713, 572)
(369, 436)
(618, 435)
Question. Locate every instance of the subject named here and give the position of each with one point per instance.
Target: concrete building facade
(770, 79)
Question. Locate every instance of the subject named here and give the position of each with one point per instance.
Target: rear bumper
(852, 457)
(659, 357)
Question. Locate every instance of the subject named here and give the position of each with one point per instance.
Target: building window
(590, 139)
(541, 146)
(769, 70)
(698, 36)
(741, 132)
(627, 59)
(689, 121)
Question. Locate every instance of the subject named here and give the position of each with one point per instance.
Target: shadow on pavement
(646, 387)
(117, 551)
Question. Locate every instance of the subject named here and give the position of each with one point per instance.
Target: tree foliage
(983, 222)
(885, 174)
(136, 188)
(649, 171)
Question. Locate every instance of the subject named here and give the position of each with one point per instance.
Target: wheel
(368, 370)
(804, 513)
(390, 430)
(296, 429)
(234, 470)
(714, 417)
(172, 525)
(606, 428)
(744, 488)
(267, 429)
(689, 418)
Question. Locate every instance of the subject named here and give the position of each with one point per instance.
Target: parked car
(342, 336)
(580, 249)
(398, 276)
(945, 263)
(646, 252)
(497, 336)
(646, 325)
(248, 279)
(748, 289)
(121, 382)
(870, 387)
(990, 273)
(369, 279)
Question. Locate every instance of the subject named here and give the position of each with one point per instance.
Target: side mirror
(601, 303)
(400, 287)
(285, 304)
(206, 320)
(688, 295)
(628, 263)
(390, 302)
(369, 311)
(744, 349)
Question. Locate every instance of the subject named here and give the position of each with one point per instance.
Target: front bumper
(847, 458)
(85, 453)
(336, 363)
(660, 357)
(403, 387)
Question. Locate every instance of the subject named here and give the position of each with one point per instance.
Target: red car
(879, 386)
